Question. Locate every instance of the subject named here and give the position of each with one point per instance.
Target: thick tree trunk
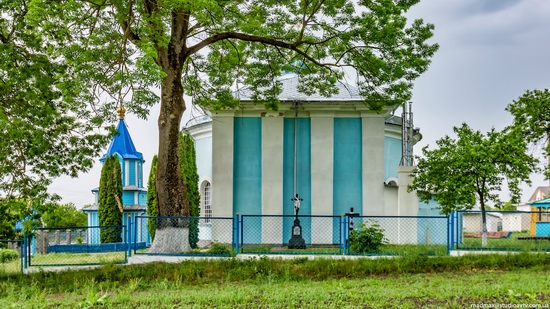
(171, 192)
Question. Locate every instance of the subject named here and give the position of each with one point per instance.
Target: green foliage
(48, 127)
(152, 209)
(531, 114)
(121, 49)
(367, 238)
(8, 255)
(188, 167)
(110, 199)
(56, 215)
(217, 248)
(472, 168)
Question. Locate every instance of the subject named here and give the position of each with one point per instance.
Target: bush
(367, 238)
(217, 248)
(8, 255)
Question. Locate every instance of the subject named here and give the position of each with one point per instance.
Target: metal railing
(91, 245)
(184, 236)
(505, 231)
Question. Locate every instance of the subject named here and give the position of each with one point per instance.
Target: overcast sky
(491, 51)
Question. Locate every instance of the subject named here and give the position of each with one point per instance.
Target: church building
(334, 152)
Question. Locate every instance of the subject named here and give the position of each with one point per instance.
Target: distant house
(540, 193)
(473, 223)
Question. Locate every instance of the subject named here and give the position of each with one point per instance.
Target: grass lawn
(507, 243)
(428, 282)
(52, 259)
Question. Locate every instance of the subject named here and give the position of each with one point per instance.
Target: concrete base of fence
(470, 252)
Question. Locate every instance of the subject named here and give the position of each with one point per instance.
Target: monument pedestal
(296, 241)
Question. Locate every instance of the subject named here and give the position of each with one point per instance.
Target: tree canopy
(122, 49)
(531, 114)
(63, 215)
(47, 127)
(472, 168)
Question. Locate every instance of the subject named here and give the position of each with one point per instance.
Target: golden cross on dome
(121, 111)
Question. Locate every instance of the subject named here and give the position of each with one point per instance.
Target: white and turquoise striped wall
(343, 160)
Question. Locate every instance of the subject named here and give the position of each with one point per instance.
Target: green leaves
(188, 168)
(472, 168)
(110, 200)
(152, 210)
(46, 126)
(531, 114)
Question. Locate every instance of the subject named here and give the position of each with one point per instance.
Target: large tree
(531, 114)
(471, 169)
(47, 128)
(204, 47)
(110, 200)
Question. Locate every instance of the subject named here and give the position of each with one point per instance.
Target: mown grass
(436, 282)
(512, 243)
(77, 258)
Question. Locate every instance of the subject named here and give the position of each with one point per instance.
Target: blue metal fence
(286, 234)
(77, 246)
(206, 236)
(274, 234)
(505, 231)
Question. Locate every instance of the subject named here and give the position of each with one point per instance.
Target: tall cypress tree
(152, 210)
(110, 200)
(188, 167)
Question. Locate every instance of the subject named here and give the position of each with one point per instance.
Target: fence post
(344, 234)
(136, 233)
(21, 255)
(129, 240)
(24, 251)
(237, 236)
(449, 229)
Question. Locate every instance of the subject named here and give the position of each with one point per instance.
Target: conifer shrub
(152, 210)
(110, 200)
(188, 167)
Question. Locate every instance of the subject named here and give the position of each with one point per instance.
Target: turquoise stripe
(132, 173)
(348, 166)
(392, 156)
(247, 174)
(303, 175)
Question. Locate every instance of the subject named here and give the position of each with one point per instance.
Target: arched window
(207, 201)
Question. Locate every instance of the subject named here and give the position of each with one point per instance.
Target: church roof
(289, 85)
(122, 144)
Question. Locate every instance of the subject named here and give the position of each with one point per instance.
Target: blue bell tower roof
(122, 144)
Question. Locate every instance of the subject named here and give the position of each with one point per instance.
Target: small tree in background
(472, 168)
(58, 215)
(188, 167)
(110, 197)
(152, 210)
